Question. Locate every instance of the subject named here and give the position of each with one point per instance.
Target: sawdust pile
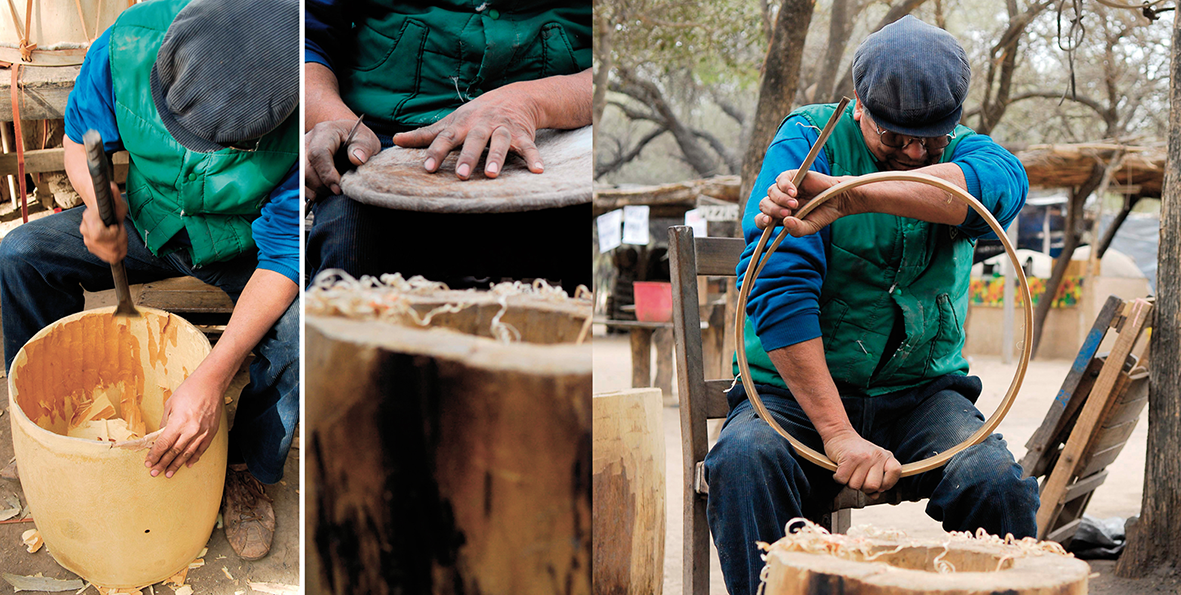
(391, 298)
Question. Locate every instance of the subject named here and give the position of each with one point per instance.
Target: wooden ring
(755, 266)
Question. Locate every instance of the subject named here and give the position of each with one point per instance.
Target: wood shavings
(83, 589)
(226, 571)
(861, 542)
(175, 581)
(32, 540)
(185, 590)
(274, 588)
(41, 583)
(14, 508)
(199, 562)
(10, 471)
(204, 551)
(336, 293)
(117, 591)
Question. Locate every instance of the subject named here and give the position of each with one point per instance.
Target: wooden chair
(703, 399)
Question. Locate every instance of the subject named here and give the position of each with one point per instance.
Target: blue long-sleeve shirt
(784, 304)
(92, 105)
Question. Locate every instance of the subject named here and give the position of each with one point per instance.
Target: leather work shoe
(248, 514)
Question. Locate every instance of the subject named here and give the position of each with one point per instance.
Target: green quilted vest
(414, 63)
(884, 271)
(212, 196)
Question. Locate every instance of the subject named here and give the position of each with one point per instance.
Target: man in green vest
(203, 97)
(445, 75)
(855, 326)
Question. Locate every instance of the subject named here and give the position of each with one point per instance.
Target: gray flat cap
(912, 77)
(228, 71)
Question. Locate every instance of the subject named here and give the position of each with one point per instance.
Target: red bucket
(654, 301)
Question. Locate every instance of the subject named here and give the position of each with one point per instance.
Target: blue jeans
(44, 268)
(460, 249)
(756, 483)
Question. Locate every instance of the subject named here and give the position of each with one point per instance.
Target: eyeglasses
(894, 140)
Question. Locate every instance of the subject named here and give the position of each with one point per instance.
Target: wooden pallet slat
(1100, 401)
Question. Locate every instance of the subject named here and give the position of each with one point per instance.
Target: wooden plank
(1129, 410)
(1085, 485)
(46, 160)
(1101, 459)
(1064, 470)
(1064, 532)
(718, 257)
(1109, 437)
(663, 340)
(1040, 441)
(691, 381)
(185, 295)
(641, 344)
(1065, 422)
(715, 399)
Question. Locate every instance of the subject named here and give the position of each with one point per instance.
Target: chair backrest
(704, 399)
(700, 398)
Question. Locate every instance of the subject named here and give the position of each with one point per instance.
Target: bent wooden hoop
(756, 266)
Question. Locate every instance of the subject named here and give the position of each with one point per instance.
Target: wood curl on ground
(336, 293)
(805, 536)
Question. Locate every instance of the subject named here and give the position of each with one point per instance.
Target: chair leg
(837, 521)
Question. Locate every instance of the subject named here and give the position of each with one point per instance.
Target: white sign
(695, 219)
(635, 225)
(610, 226)
(718, 212)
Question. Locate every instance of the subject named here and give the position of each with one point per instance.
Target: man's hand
(861, 464)
(107, 243)
(784, 199)
(323, 142)
(191, 418)
(504, 119)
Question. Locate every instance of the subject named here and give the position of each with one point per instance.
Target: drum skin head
(395, 179)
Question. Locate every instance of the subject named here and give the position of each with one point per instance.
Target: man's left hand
(191, 418)
(504, 119)
(784, 199)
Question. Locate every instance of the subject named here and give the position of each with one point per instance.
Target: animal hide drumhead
(395, 179)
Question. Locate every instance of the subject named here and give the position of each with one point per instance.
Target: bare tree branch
(624, 158)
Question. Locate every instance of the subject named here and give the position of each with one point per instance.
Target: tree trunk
(1074, 216)
(781, 72)
(839, 29)
(1154, 542)
(603, 53)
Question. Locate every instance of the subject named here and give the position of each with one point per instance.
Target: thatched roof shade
(1140, 170)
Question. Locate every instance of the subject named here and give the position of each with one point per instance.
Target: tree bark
(1074, 216)
(781, 72)
(603, 53)
(1153, 541)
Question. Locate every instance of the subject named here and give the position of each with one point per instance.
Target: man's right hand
(861, 464)
(109, 243)
(322, 143)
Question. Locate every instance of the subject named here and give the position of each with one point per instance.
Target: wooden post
(629, 488)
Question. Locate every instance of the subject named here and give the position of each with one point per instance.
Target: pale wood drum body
(910, 570)
(443, 461)
(99, 511)
(629, 492)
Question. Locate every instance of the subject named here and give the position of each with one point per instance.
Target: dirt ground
(281, 566)
(1120, 496)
